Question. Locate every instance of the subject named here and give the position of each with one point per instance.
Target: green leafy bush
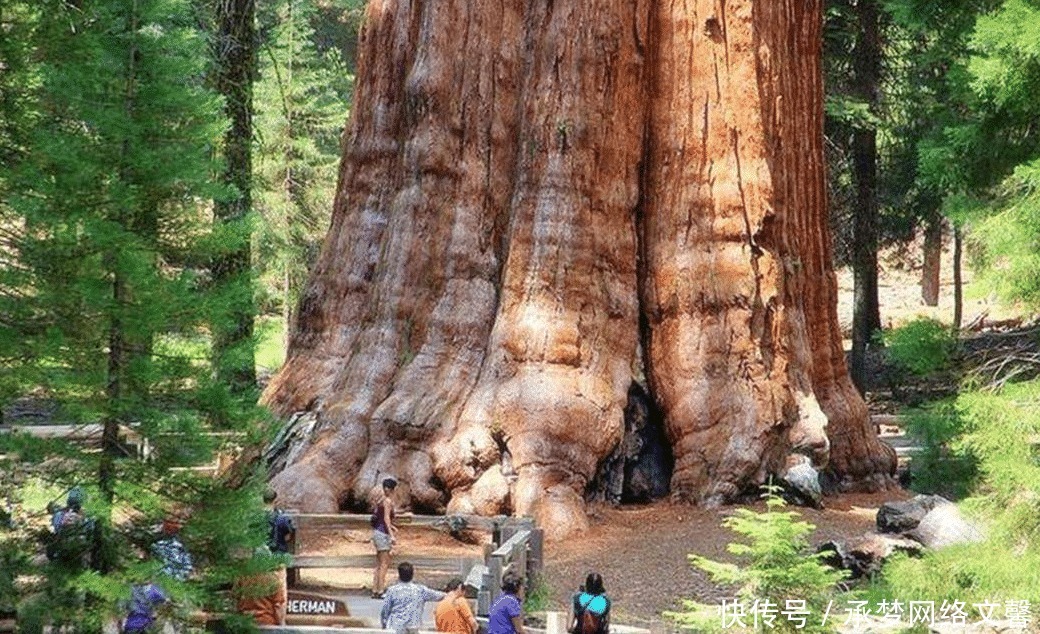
(945, 465)
(1000, 430)
(779, 566)
(922, 346)
(538, 597)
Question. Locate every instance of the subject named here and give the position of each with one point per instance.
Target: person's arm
(429, 594)
(518, 624)
(516, 615)
(384, 614)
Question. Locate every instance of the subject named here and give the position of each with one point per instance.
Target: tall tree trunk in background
(524, 185)
(866, 313)
(958, 282)
(236, 70)
(932, 262)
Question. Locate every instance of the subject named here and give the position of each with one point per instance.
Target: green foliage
(922, 346)
(299, 117)
(270, 346)
(538, 597)
(945, 465)
(778, 564)
(1005, 237)
(106, 305)
(999, 429)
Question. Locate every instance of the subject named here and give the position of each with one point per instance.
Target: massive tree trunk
(540, 204)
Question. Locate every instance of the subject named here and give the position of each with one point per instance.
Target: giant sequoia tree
(541, 203)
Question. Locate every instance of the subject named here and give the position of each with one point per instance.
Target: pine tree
(231, 267)
(299, 120)
(108, 227)
(990, 161)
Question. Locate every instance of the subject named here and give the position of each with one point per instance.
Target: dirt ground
(640, 551)
(413, 543)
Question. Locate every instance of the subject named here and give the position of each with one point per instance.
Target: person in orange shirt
(264, 595)
(453, 613)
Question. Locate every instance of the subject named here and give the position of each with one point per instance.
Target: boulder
(904, 516)
(944, 526)
(863, 556)
(801, 482)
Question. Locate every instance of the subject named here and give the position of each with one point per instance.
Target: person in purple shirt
(506, 613)
(143, 601)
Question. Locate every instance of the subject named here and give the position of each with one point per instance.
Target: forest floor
(641, 551)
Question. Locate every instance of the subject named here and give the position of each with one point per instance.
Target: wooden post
(555, 623)
(519, 557)
(484, 594)
(534, 553)
(495, 585)
(509, 528)
(292, 574)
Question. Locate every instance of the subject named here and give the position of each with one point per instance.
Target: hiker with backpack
(281, 529)
(70, 541)
(69, 515)
(384, 534)
(591, 608)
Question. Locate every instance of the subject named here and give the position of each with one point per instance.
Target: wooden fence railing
(516, 548)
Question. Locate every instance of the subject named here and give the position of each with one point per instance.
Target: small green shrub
(538, 597)
(999, 429)
(945, 465)
(779, 566)
(922, 346)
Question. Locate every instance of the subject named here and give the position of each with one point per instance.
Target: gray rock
(864, 555)
(944, 526)
(900, 517)
(802, 482)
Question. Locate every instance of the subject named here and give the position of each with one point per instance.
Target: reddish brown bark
(523, 185)
(931, 266)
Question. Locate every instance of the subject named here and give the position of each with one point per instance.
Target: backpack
(71, 541)
(589, 620)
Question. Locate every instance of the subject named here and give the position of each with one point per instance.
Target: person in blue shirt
(591, 608)
(506, 615)
(404, 601)
(144, 599)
